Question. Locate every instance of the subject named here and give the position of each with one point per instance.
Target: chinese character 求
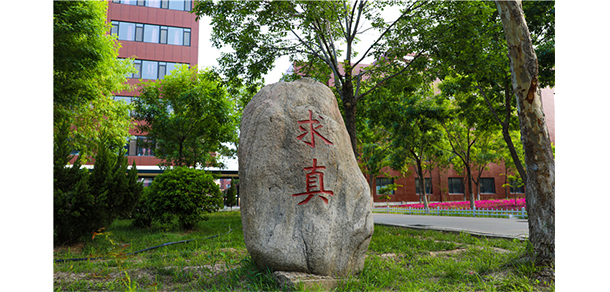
(312, 131)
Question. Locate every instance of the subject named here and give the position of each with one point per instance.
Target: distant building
(159, 35)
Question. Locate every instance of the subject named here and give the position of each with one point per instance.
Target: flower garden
(510, 204)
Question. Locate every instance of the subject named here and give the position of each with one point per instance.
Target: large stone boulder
(305, 205)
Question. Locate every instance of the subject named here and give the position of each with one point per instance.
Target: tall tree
(540, 196)
(320, 37)
(470, 45)
(406, 110)
(375, 148)
(187, 118)
(486, 151)
(85, 73)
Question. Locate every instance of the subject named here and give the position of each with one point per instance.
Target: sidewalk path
(490, 227)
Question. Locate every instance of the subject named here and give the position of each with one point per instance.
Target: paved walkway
(491, 227)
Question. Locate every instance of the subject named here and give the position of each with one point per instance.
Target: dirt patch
(448, 253)
(73, 248)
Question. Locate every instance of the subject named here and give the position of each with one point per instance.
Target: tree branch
(388, 78)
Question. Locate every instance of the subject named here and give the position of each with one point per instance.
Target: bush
(143, 216)
(185, 193)
(85, 201)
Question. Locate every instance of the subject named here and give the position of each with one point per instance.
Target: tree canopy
(187, 118)
(320, 37)
(85, 73)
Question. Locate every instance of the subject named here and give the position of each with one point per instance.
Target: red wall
(407, 193)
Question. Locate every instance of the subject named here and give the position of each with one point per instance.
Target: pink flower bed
(486, 204)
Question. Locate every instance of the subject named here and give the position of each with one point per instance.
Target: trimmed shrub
(185, 193)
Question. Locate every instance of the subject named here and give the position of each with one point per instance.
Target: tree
(374, 151)
(540, 196)
(186, 117)
(470, 48)
(230, 194)
(462, 137)
(486, 151)
(405, 108)
(85, 73)
(320, 37)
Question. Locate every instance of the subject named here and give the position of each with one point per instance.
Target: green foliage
(85, 73)
(187, 118)
(142, 214)
(86, 201)
(320, 37)
(406, 110)
(185, 193)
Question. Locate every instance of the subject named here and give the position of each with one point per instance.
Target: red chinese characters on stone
(312, 131)
(313, 179)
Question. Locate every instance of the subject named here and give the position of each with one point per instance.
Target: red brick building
(158, 35)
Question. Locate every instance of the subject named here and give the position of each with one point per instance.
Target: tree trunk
(470, 193)
(440, 185)
(349, 108)
(539, 161)
(422, 184)
(509, 140)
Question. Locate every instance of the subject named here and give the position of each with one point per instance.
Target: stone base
(290, 280)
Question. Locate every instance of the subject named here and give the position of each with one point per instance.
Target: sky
(208, 54)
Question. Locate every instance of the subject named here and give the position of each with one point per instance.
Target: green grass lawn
(398, 259)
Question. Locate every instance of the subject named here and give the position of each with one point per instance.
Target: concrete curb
(444, 229)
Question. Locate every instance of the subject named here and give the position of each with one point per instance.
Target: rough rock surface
(305, 205)
(291, 280)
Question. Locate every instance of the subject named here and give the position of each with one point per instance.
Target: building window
(150, 70)
(176, 5)
(187, 37)
(115, 28)
(138, 65)
(139, 32)
(175, 36)
(487, 186)
(382, 182)
(162, 68)
(428, 185)
(141, 148)
(163, 39)
(153, 3)
(516, 190)
(165, 4)
(149, 33)
(127, 31)
(456, 186)
(146, 181)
